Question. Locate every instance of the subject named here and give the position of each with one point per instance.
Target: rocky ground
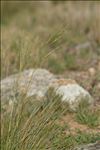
(37, 82)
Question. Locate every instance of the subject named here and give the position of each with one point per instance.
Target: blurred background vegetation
(57, 35)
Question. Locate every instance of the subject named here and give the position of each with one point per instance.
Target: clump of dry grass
(30, 124)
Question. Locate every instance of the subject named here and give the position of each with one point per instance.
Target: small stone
(90, 146)
(98, 86)
(92, 71)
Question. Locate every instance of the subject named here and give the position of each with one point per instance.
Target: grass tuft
(86, 115)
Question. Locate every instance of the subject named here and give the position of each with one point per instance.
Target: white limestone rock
(71, 92)
(32, 82)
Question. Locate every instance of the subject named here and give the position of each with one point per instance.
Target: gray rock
(91, 146)
(31, 82)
